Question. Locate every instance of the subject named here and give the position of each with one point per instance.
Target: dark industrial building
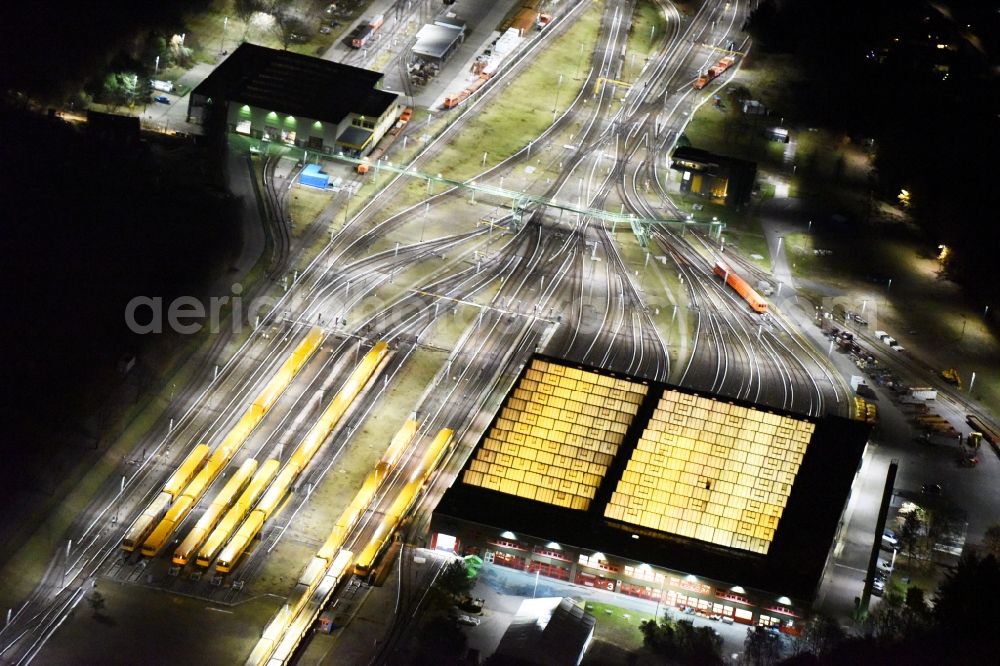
(716, 176)
(716, 506)
(295, 99)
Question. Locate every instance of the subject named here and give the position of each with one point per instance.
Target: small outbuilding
(314, 177)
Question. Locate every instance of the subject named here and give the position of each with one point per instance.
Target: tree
(682, 642)
(821, 635)
(887, 621)
(991, 541)
(761, 647)
(452, 584)
(961, 606)
(289, 28)
(96, 601)
(244, 11)
(119, 88)
(910, 532)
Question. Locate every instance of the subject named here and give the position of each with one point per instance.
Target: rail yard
(306, 468)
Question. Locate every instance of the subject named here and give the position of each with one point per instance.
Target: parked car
(162, 99)
(878, 587)
(889, 539)
(884, 566)
(468, 621)
(931, 489)
(471, 605)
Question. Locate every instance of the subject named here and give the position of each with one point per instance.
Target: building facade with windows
(711, 505)
(295, 99)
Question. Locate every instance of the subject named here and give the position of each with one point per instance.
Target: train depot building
(711, 505)
(295, 99)
(715, 176)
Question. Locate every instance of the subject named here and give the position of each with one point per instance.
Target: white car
(468, 620)
(889, 539)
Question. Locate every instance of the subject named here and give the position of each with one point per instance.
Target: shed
(313, 176)
(437, 41)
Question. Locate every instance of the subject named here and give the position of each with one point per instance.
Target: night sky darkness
(89, 225)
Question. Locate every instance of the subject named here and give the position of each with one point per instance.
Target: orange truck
(741, 287)
(714, 72)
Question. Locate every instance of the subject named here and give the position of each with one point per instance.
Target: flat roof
(356, 137)
(699, 483)
(434, 40)
(296, 84)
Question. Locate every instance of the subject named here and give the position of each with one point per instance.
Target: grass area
(525, 107)
(645, 36)
(304, 206)
(218, 29)
(616, 625)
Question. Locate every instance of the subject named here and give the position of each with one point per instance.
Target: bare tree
(244, 10)
(288, 27)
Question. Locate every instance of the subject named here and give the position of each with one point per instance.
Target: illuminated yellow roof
(556, 435)
(712, 471)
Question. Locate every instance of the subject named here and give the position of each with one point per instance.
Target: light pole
(156, 66)
(118, 504)
(222, 42)
(537, 571)
(555, 105)
(972, 382)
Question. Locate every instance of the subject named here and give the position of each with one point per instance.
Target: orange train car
(741, 287)
(714, 72)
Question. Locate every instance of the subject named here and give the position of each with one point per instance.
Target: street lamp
(222, 42)
(555, 105)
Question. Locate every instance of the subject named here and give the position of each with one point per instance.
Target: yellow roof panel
(556, 435)
(711, 471)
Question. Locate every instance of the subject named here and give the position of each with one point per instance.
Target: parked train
(300, 458)
(714, 72)
(183, 490)
(361, 34)
(325, 570)
(403, 503)
(149, 518)
(741, 287)
(220, 534)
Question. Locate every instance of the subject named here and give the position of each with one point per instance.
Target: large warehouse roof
(706, 485)
(296, 84)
